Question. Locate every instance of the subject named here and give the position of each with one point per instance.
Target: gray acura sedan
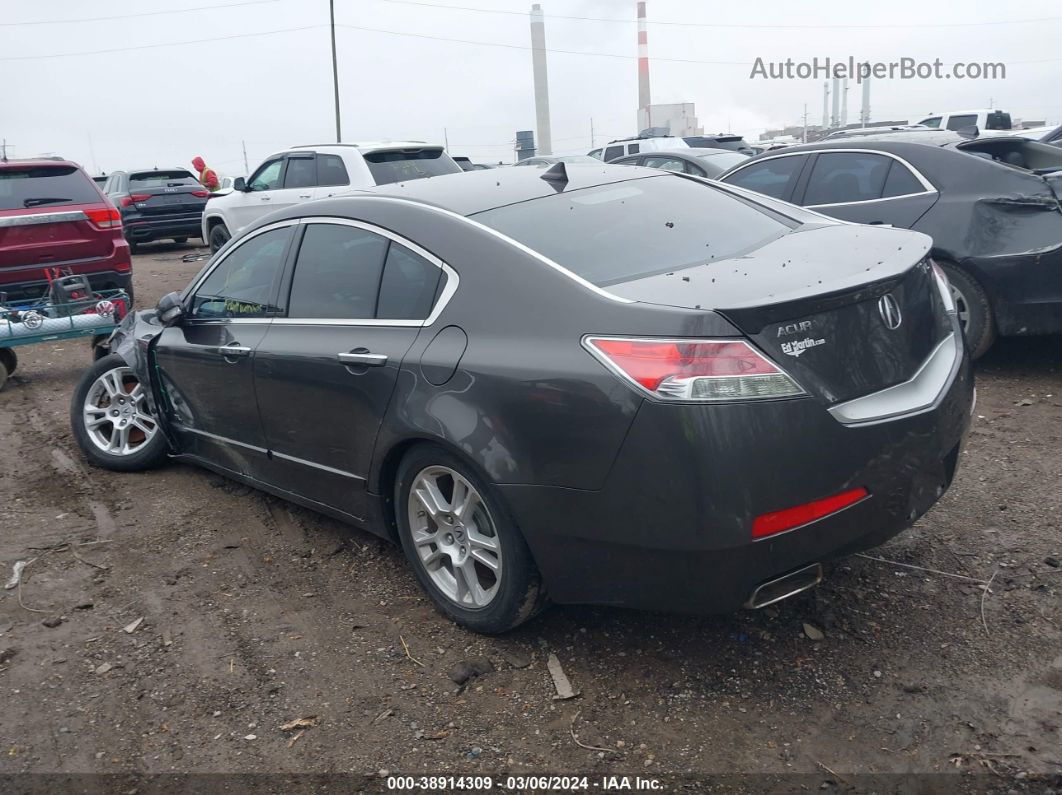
(587, 384)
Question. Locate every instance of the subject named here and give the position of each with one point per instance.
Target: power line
(130, 16)
(163, 44)
(724, 25)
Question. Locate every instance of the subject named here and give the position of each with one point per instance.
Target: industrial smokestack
(538, 66)
(835, 115)
(825, 105)
(864, 111)
(643, 68)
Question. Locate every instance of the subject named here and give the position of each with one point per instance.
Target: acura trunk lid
(845, 309)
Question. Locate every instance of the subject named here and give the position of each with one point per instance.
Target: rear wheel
(973, 308)
(134, 247)
(180, 241)
(219, 236)
(8, 364)
(463, 545)
(112, 421)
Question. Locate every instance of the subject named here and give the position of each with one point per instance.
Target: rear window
(399, 165)
(41, 186)
(998, 120)
(627, 230)
(161, 179)
(961, 122)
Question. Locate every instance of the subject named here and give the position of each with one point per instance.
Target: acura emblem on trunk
(890, 311)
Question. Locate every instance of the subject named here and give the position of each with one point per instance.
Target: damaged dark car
(584, 385)
(991, 206)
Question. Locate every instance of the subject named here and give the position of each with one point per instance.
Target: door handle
(233, 349)
(304, 196)
(265, 198)
(365, 359)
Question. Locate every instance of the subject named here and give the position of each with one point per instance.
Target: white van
(632, 146)
(986, 121)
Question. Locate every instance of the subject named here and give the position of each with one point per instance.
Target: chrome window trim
(929, 187)
(59, 216)
(514, 243)
(922, 392)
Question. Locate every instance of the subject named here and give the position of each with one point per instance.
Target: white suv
(633, 146)
(310, 172)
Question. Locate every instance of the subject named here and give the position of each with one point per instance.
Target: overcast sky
(163, 105)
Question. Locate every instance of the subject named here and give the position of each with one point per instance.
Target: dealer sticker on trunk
(797, 347)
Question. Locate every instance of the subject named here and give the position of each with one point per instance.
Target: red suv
(52, 215)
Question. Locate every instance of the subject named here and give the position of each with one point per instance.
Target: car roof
(699, 151)
(474, 192)
(35, 162)
(368, 146)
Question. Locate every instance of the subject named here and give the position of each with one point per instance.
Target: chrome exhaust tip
(771, 591)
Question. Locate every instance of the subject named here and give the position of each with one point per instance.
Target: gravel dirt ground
(188, 618)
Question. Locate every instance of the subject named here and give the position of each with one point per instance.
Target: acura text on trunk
(52, 215)
(586, 384)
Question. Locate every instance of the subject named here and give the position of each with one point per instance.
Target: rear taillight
(200, 194)
(769, 524)
(709, 370)
(134, 198)
(107, 218)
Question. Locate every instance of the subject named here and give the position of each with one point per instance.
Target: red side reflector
(200, 194)
(779, 521)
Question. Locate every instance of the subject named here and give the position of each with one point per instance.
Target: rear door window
(612, 152)
(300, 173)
(399, 165)
(843, 177)
(774, 177)
(160, 179)
(408, 288)
(960, 122)
(633, 149)
(337, 273)
(243, 284)
(45, 186)
(901, 182)
(331, 171)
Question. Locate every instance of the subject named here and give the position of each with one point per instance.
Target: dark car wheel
(180, 241)
(111, 420)
(219, 236)
(463, 545)
(8, 364)
(975, 312)
(134, 247)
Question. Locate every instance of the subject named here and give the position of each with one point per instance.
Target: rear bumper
(143, 230)
(32, 284)
(671, 529)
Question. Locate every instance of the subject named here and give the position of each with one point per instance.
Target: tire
(134, 247)
(219, 236)
(9, 360)
(180, 241)
(99, 346)
(137, 446)
(496, 603)
(975, 311)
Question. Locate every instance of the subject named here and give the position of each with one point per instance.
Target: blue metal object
(29, 323)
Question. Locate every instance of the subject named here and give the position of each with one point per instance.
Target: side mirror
(239, 184)
(169, 309)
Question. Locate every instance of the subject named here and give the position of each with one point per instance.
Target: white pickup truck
(987, 122)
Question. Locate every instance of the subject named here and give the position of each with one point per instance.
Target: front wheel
(219, 236)
(973, 308)
(463, 545)
(111, 420)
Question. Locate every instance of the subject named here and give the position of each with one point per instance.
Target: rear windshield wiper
(45, 200)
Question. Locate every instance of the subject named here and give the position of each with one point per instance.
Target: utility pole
(246, 170)
(804, 138)
(335, 67)
(3, 150)
(446, 140)
(593, 143)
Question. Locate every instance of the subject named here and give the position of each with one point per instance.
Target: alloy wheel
(116, 416)
(454, 536)
(962, 306)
